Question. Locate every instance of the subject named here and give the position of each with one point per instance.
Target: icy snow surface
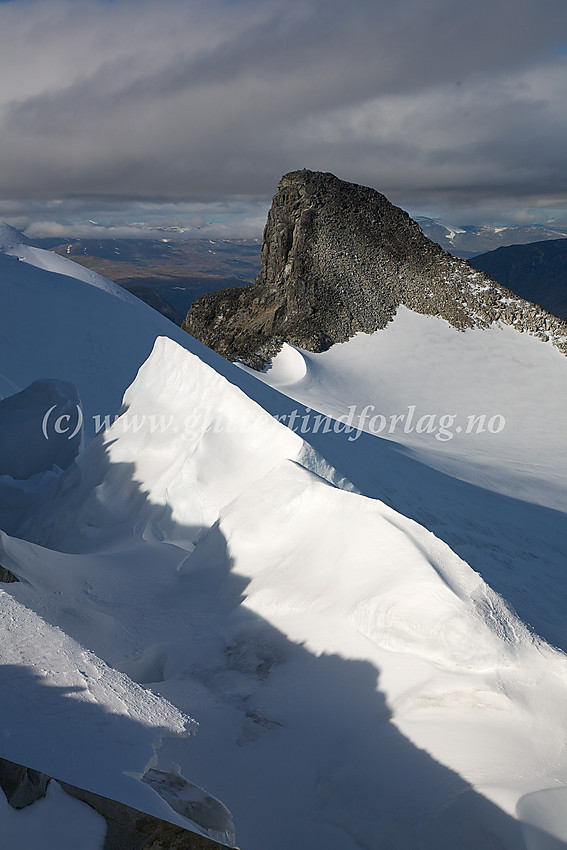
(337, 614)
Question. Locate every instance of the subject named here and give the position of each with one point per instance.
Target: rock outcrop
(6, 577)
(127, 828)
(154, 299)
(338, 258)
(21, 785)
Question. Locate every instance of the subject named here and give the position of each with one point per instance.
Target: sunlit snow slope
(464, 432)
(62, 321)
(356, 682)
(487, 405)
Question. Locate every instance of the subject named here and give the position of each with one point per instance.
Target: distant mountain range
(170, 274)
(177, 270)
(537, 272)
(468, 241)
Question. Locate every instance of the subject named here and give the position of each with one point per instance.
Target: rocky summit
(338, 258)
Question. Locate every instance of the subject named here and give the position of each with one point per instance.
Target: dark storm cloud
(196, 101)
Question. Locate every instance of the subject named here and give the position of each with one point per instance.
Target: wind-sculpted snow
(67, 714)
(186, 444)
(544, 815)
(487, 406)
(304, 626)
(289, 367)
(356, 682)
(25, 449)
(426, 405)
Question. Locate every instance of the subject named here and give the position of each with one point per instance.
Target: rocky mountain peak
(339, 258)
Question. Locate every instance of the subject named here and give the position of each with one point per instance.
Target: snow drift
(232, 568)
(356, 682)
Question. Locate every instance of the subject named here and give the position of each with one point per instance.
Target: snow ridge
(356, 683)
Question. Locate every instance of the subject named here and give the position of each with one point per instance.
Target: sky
(187, 112)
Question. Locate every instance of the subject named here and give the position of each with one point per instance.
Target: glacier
(364, 637)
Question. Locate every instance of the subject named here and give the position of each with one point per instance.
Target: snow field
(355, 681)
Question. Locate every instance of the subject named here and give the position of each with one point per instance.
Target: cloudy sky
(187, 112)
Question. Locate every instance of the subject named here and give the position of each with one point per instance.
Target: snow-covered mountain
(470, 240)
(357, 608)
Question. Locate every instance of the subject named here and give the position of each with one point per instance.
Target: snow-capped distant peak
(451, 233)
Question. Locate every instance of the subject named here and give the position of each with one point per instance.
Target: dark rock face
(21, 785)
(128, 829)
(6, 577)
(154, 299)
(338, 258)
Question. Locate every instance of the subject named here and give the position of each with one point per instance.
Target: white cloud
(88, 219)
(188, 100)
